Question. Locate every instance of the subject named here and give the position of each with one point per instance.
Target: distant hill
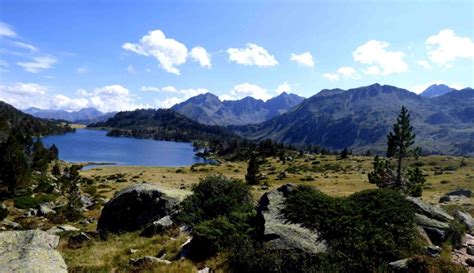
(163, 124)
(85, 115)
(436, 90)
(14, 119)
(360, 119)
(209, 109)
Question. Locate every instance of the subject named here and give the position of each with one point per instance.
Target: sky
(123, 55)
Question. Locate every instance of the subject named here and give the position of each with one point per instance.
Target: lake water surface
(94, 146)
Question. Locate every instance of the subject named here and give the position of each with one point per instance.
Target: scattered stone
(87, 202)
(470, 250)
(431, 211)
(30, 213)
(277, 233)
(451, 198)
(7, 224)
(148, 261)
(460, 192)
(466, 219)
(400, 265)
(137, 206)
(470, 262)
(44, 209)
(157, 227)
(30, 251)
(79, 239)
(433, 251)
(205, 270)
(61, 229)
(264, 187)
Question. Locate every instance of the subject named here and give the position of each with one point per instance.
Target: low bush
(25, 202)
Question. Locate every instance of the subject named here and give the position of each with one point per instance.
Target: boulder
(44, 209)
(30, 251)
(460, 192)
(148, 261)
(470, 262)
(433, 251)
(431, 211)
(466, 219)
(275, 230)
(470, 250)
(30, 212)
(61, 228)
(137, 206)
(7, 224)
(400, 265)
(204, 270)
(79, 239)
(425, 221)
(157, 227)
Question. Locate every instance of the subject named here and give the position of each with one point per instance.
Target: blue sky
(114, 56)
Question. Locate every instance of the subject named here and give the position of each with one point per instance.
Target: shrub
(25, 202)
(364, 231)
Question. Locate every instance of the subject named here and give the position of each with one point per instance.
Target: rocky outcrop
(434, 220)
(30, 251)
(456, 195)
(157, 227)
(466, 219)
(277, 233)
(137, 206)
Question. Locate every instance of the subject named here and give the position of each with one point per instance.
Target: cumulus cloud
(24, 95)
(6, 30)
(200, 55)
(382, 61)
(245, 90)
(344, 72)
(38, 64)
(424, 64)
(63, 102)
(284, 87)
(252, 54)
(305, 59)
(180, 95)
(445, 47)
(169, 52)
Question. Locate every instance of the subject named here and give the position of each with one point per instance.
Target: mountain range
(209, 109)
(360, 119)
(84, 115)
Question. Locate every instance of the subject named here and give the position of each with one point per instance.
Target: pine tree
(344, 154)
(53, 153)
(40, 156)
(15, 170)
(399, 142)
(416, 179)
(253, 173)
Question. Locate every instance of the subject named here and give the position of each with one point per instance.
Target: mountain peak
(436, 90)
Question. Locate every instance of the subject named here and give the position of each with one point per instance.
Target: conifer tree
(399, 142)
(15, 170)
(344, 154)
(253, 173)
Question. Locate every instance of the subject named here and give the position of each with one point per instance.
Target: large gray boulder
(460, 192)
(466, 219)
(137, 206)
(31, 251)
(431, 211)
(280, 235)
(157, 227)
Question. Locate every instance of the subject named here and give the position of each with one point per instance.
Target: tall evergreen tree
(399, 142)
(253, 171)
(15, 170)
(40, 155)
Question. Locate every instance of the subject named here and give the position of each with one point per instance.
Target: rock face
(137, 206)
(277, 233)
(466, 219)
(434, 221)
(460, 192)
(30, 251)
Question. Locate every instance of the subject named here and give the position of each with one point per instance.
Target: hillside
(13, 119)
(84, 115)
(209, 109)
(162, 124)
(360, 119)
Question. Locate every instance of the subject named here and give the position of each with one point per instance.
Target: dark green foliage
(56, 171)
(382, 175)
(426, 264)
(416, 179)
(15, 171)
(400, 140)
(456, 233)
(218, 211)
(364, 231)
(40, 156)
(344, 154)
(253, 171)
(53, 153)
(25, 202)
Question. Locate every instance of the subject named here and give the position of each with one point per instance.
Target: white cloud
(305, 59)
(169, 52)
(131, 69)
(112, 98)
(348, 72)
(63, 102)
(24, 95)
(381, 61)
(200, 55)
(422, 87)
(244, 90)
(252, 55)
(344, 72)
(284, 87)
(168, 102)
(25, 46)
(445, 47)
(6, 30)
(180, 94)
(81, 70)
(331, 76)
(38, 64)
(424, 64)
